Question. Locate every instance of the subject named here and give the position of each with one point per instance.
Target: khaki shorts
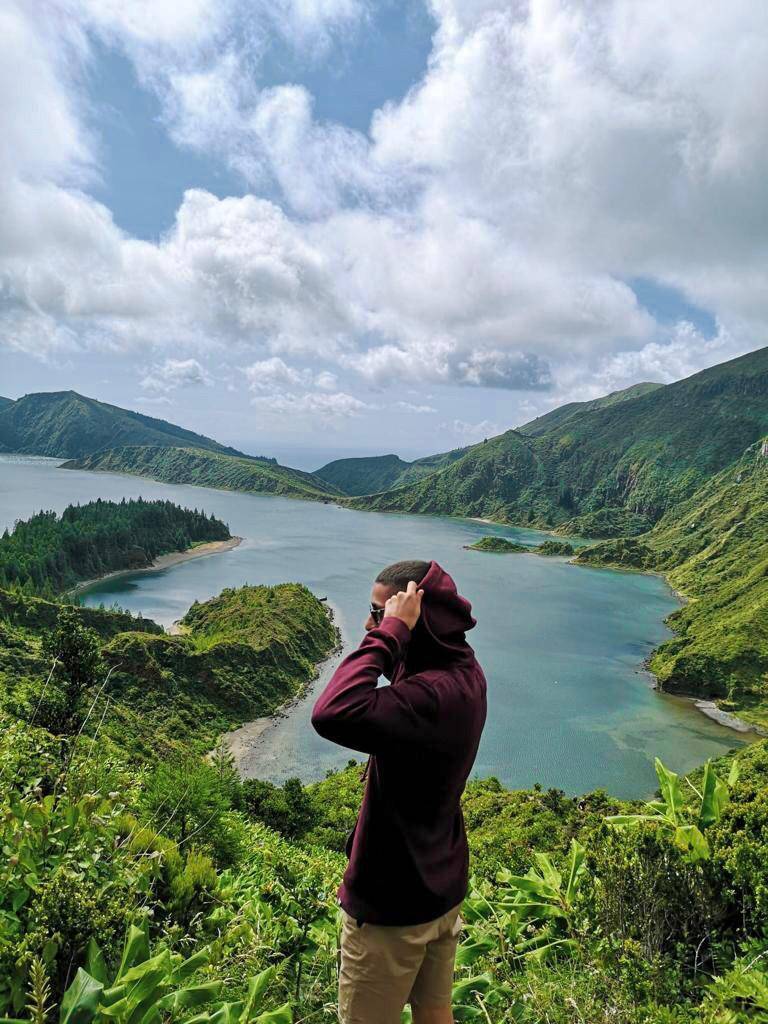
(383, 967)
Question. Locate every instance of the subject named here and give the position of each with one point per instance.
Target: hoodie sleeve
(354, 712)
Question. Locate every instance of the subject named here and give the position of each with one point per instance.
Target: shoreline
(212, 547)
(726, 718)
(242, 744)
(707, 708)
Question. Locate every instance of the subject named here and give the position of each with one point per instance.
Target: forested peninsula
(49, 553)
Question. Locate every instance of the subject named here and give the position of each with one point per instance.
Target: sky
(313, 227)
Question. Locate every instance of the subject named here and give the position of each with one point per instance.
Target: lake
(562, 646)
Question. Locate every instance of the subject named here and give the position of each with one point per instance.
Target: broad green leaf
(575, 869)
(691, 840)
(227, 1013)
(733, 774)
(548, 949)
(669, 783)
(135, 950)
(94, 962)
(549, 872)
(469, 952)
(714, 797)
(194, 995)
(257, 986)
(282, 1015)
(464, 989)
(188, 967)
(81, 1000)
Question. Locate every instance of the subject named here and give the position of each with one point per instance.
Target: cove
(562, 646)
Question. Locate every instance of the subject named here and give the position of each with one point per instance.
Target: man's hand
(405, 605)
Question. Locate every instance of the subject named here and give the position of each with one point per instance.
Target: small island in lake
(502, 546)
(497, 545)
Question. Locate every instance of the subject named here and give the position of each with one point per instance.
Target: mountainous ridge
(642, 455)
(556, 417)
(65, 424)
(368, 474)
(177, 465)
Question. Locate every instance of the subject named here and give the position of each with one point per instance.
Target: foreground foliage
(142, 882)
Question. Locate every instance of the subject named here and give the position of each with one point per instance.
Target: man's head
(394, 578)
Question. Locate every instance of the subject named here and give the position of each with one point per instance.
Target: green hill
(370, 474)
(713, 548)
(179, 465)
(66, 425)
(5, 401)
(364, 475)
(641, 456)
(558, 416)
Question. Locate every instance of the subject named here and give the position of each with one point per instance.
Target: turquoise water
(562, 646)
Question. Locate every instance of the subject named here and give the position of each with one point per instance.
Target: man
(408, 856)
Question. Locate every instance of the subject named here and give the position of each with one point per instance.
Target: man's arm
(355, 713)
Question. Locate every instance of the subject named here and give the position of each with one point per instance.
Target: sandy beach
(243, 743)
(711, 710)
(213, 547)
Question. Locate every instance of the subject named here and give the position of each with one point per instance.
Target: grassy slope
(177, 465)
(242, 654)
(555, 418)
(364, 475)
(643, 455)
(713, 547)
(371, 475)
(67, 425)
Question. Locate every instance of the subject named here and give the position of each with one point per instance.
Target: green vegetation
(555, 547)
(143, 881)
(644, 455)
(370, 474)
(137, 892)
(556, 417)
(497, 545)
(240, 656)
(66, 425)
(712, 548)
(605, 523)
(48, 554)
(179, 465)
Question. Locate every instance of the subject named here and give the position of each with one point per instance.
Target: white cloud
(412, 407)
(312, 405)
(481, 235)
(174, 374)
(470, 433)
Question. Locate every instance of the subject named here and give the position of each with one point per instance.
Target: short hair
(399, 574)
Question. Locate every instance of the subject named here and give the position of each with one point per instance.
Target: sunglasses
(377, 614)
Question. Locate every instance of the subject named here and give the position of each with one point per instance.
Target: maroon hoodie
(408, 855)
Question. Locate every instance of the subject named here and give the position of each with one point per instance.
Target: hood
(439, 635)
